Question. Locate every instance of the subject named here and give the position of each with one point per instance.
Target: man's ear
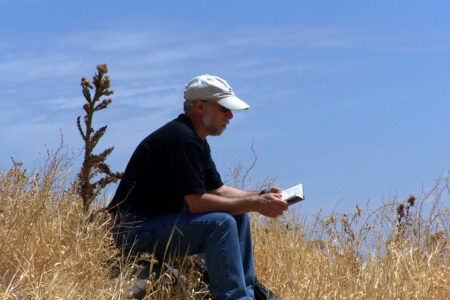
(201, 106)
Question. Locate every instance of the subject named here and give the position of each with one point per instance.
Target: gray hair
(188, 105)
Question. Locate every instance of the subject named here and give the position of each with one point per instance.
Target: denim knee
(241, 218)
(224, 222)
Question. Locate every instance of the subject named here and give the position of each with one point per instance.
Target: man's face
(216, 118)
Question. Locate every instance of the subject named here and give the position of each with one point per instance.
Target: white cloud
(273, 68)
(19, 67)
(334, 38)
(287, 37)
(165, 100)
(149, 65)
(126, 91)
(157, 51)
(126, 71)
(65, 103)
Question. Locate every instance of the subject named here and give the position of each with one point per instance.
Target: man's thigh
(172, 234)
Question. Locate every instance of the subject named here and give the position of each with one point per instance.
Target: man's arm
(232, 192)
(235, 201)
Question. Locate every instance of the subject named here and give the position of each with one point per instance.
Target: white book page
(296, 190)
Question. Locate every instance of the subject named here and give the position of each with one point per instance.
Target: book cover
(293, 194)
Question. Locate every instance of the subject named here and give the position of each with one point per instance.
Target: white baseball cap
(212, 88)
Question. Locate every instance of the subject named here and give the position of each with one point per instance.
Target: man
(176, 202)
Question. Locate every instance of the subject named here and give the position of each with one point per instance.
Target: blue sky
(352, 98)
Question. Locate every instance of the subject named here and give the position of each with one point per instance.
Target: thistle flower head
(401, 210)
(102, 68)
(358, 210)
(411, 200)
(84, 83)
(106, 101)
(106, 83)
(344, 219)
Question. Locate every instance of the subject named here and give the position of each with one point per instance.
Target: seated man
(171, 182)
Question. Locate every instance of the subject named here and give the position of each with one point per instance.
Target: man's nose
(229, 114)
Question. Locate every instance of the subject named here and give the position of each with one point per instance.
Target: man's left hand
(275, 190)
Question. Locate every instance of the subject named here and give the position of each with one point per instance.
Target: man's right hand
(271, 205)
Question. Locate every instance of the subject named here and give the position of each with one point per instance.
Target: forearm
(208, 202)
(235, 201)
(232, 192)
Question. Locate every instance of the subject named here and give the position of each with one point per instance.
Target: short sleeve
(212, 177)
(188, 165)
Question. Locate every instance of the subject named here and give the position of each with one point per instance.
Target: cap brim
(233, 103)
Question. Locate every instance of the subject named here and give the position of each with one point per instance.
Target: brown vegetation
(49, 251)
(94, 164)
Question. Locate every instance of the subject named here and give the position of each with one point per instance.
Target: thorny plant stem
(94, 164)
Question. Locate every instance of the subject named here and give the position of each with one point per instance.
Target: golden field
(50, 250)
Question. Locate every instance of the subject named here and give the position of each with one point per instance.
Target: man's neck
(197, 123)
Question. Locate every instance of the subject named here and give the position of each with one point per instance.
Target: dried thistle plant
(47, 253)
(403, 215)
(94, 164)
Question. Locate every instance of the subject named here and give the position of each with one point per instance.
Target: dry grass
(48, 250)
(364, 255)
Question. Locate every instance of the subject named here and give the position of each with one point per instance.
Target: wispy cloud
(151, 101)
(283, 67)
(150, 64)
(127, 91)
(65, 103)
(287, 37)
(294, 37)
(155, 51)
(24, 66)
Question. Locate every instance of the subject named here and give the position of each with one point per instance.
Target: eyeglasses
(221, 108)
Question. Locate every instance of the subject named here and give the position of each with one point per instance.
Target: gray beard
(214, 131)
(211, 130)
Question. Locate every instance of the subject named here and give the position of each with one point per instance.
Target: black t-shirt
(168, 164)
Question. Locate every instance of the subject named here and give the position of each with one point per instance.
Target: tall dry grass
(363, 255)
(50, 250)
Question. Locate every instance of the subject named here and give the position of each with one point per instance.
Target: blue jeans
(224, 239)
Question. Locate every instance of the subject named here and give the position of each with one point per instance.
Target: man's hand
(275, 190)
(235, 201)
(270, 204)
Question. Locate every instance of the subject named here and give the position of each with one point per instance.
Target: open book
(294, 194)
